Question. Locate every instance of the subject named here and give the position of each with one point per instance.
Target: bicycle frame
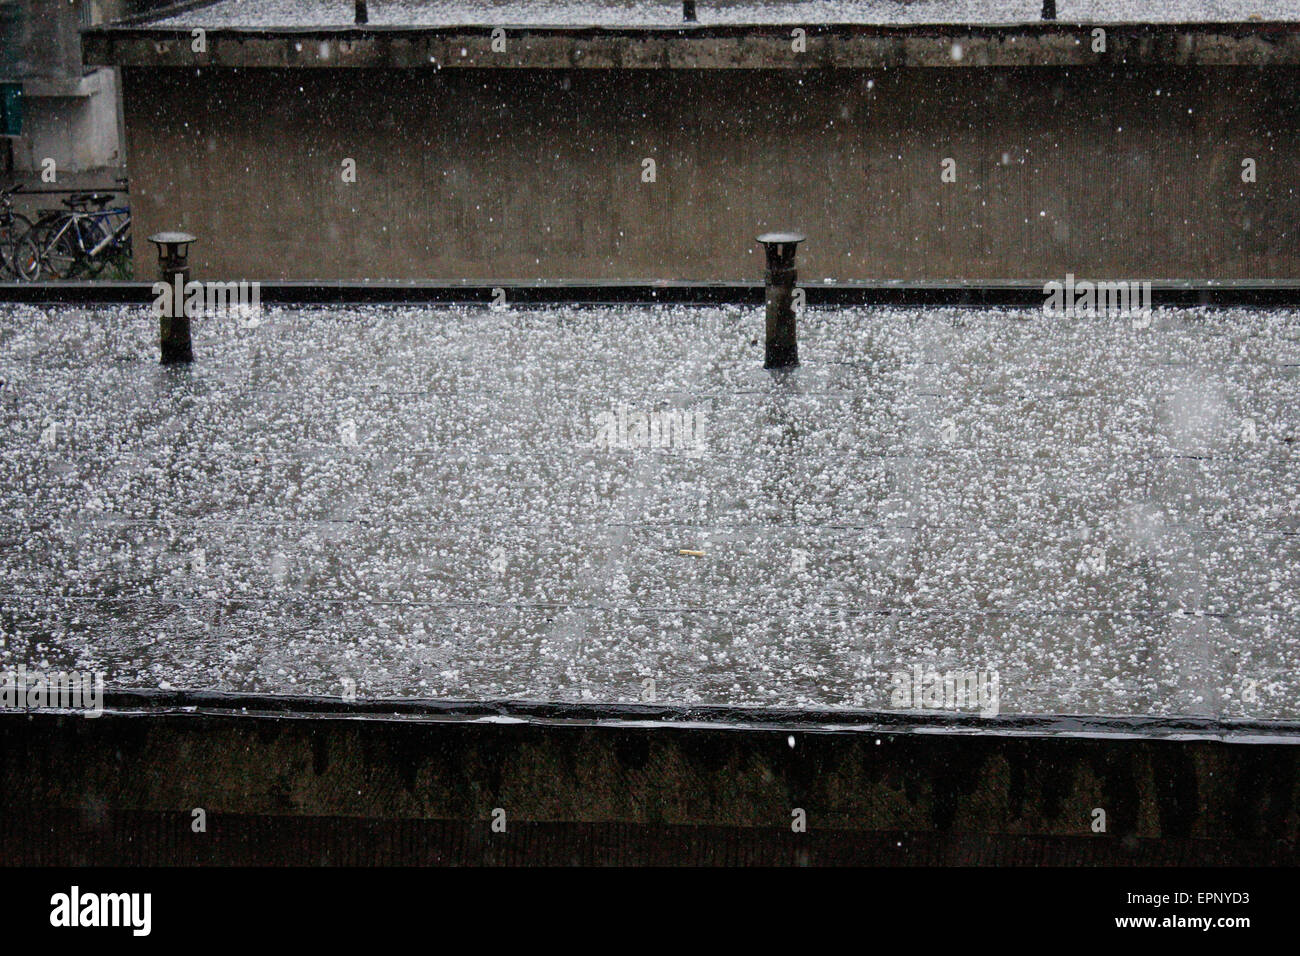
(115, 234)
(75, 217)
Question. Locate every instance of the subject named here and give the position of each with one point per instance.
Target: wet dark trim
(291, 707)
(1276, 293)
(27, 191)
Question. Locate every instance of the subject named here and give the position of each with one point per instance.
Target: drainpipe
(780, 277)
(362, 16)
(174, 323)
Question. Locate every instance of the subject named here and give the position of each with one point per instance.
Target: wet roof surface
(314, 13)
(446, 503)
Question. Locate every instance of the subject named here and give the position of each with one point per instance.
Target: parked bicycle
(13, 226)
(79, 241)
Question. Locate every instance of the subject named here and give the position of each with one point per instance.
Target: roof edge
(713, 46)
(147, 702)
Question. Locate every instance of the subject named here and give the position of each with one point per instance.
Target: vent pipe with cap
(780, 277)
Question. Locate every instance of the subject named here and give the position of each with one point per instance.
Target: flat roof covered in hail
(563, 503)
(643, 13)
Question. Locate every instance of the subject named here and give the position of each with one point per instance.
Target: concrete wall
(77, 127)
(537, 174)
(45, 43)
(70, 112)
(41, 37)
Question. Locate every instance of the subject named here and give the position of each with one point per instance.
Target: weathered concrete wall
(70, 112)
(45, 39)
(531, 174)
(78, 127)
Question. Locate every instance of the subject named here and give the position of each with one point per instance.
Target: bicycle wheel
(58, 249)
(93, 232)
(119, 258)
(28, 262)
(31, 260)
(11, 232)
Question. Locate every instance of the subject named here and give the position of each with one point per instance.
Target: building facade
(905, 152)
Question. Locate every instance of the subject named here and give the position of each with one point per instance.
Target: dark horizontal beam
(696, 46)
(820, 720)
(1276, 293)
(24, 191)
